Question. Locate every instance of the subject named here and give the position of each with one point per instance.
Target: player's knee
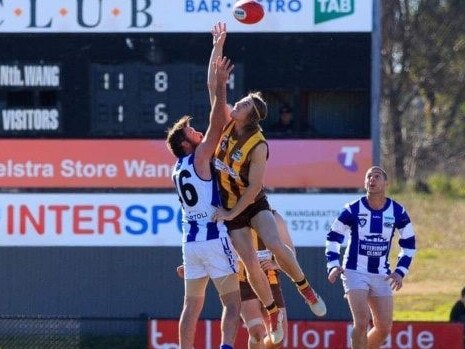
(232, 308)
(231, 301)
(249, 259)
(256, 329)
(384, 328)
(257, 333)
(361, 326)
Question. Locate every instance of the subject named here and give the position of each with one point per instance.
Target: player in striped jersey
(240, 161)
(370, 223)
(252, 312)
(207, 249)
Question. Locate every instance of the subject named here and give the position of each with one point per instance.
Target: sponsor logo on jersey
(196, 216)
(389, 222)
(237, 155)
(362, 222)
(221, 166)
(224, 143)
(373, 246)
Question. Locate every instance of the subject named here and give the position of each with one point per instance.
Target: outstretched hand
(223, 68)
(219, 34)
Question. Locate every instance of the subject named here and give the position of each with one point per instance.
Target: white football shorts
(375, 284)
(214, 258)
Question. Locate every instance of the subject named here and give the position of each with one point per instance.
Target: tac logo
(346, 158)
(327, 10)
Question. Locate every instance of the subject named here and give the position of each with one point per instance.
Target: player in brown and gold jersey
(240, 161)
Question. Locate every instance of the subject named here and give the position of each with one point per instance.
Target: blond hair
(259, 111)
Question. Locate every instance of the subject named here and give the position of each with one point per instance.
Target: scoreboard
(125, 99)
(141, 99)
(136, 85)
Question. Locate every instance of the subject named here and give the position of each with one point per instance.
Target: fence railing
(47, 332)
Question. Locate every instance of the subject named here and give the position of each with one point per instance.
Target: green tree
(423, 88)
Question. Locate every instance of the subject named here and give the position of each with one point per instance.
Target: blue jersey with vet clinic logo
(370, 234)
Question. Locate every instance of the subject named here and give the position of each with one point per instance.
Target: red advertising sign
(147, 164)
(318, 164)
(163, 334)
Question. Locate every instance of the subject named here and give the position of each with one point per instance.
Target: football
(248, 11)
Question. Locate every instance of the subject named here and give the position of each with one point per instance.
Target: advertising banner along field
(140, 219)
(148, 164)
(316, 335)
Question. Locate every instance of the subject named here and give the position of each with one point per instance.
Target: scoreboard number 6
(159, 113)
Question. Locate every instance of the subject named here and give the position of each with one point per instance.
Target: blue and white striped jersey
(199, 199)
(370, 235)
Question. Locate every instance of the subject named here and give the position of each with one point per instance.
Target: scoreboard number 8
(161, 81)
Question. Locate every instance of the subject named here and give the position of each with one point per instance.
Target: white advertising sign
(140, 219)
(151, 16)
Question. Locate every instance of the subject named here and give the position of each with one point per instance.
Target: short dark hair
(380, 169)
(175, 136)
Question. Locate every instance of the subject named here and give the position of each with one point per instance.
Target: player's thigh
(227, 284)
(265, 225)
(358, 303)
(195, 287)
(242, 242)
(381, 310)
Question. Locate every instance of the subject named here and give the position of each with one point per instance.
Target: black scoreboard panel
(144, 100)
(134, 85)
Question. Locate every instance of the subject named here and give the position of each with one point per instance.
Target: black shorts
(247, 293)
(244, 218)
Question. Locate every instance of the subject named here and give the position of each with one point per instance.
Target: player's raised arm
(222, 68)
(219, 37)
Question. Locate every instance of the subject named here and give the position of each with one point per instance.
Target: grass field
(437, 274)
